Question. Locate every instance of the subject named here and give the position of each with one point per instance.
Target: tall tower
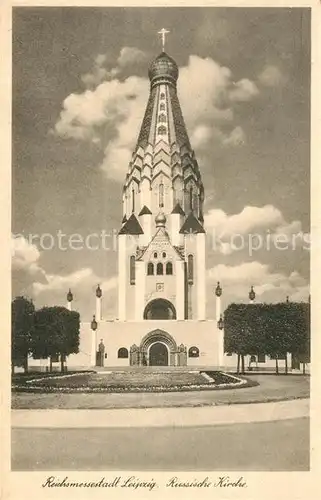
(161, 262)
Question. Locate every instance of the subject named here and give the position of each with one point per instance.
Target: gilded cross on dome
(163, 32)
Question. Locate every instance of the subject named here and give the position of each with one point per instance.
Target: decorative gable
(191, 225)
(145, 211)
(160, 244)
(178, 210)
(132, 226)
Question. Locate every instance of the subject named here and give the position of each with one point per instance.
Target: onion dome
(252, 294)
(70, 296)
(98, 292)
(218, 290)
(163, 70)
(160, 219)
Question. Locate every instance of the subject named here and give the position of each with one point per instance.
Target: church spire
(163, 198)
(163, 171)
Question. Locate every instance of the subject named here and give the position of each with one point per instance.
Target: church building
(161, 250)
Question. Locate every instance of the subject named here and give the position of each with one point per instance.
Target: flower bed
(125, 382)
(23, 378)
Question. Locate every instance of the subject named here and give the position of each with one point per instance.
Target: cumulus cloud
(271, 76)
(25, 255)
(130, 104)
(212, 104)
(111, 113)
(117, 104)
(244, 90)
(80, 280)
(103, 68)
(131, 55)
(83, 283)
(248, 219)
(48, 288)
(235, 138)
(269, 286)
(266, 224)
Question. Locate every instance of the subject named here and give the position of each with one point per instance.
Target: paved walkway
(260, 446)
(161, 417)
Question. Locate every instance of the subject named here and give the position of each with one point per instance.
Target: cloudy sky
(80, 88)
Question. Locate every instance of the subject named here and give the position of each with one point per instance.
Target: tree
(276, 332)
(56, 333)
(22, 329)
(68, 340)
(300, 341)
(240, 331)
(273, 329)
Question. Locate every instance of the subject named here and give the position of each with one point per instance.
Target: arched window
(133, 200)
(132, 262)
(191, 198)
(164, 255)
(193, 352)
(169, 268)
(161, 194)
(122, 353)
(155, 255)
(150, 269)
(190, 269)
(162, 118)
(159, 269)
(162, 107)
(162, 96)
(161, 130)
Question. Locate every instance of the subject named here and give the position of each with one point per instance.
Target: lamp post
(218, 293)
(93, 326)
(70, 298)
(252, 295)
(99, 294)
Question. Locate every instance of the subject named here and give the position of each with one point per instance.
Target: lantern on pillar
(99, 292)
(218, 293)
(94, 324)
(252, 294)
(218, 290)
(70, 298)
(220, 323)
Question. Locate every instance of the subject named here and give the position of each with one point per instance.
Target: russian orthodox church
(161, 249)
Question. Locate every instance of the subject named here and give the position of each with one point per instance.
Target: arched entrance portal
(158, 348)
(158, 355)
(160, 309)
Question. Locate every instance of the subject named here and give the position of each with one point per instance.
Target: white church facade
(161, 250)
(161, 317)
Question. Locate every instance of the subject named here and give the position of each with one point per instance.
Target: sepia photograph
(160, 246)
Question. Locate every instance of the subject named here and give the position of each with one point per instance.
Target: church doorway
(160, 309)
(158, 354)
